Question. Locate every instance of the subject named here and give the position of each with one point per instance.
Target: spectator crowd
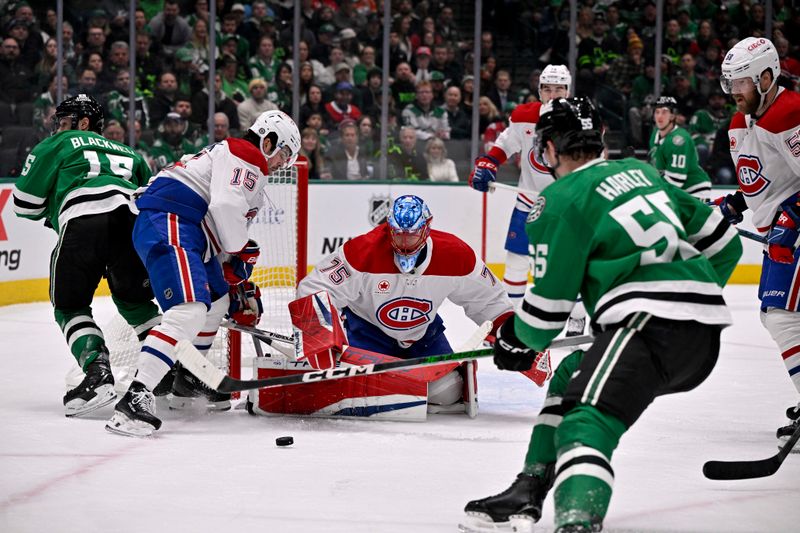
(340, 76)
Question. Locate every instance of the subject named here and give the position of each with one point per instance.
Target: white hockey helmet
(285, 133)
(747, 60)
(556, 75)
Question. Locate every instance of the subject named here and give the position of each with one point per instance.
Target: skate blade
(105, 395)
(482, 523)
(521, 523)
(122, 425)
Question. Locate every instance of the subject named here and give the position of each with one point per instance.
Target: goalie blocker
(321, 343)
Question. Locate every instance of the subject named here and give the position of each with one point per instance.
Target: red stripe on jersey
(764, 229)
(738, 122)
(526, 113)
(783, 114)
(514, 283)
(214, 244)
(207, 334)
(791, 351)
(451, 256)
(166, 338)
(528, 201)
(248, 153)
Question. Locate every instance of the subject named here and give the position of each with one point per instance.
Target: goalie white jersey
(228, 177)
(767, 156)
(518, 139)
(362, 276)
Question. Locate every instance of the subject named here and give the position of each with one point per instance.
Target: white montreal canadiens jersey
(767, 157)
(229, 176)
(362, 276)
(518, 138)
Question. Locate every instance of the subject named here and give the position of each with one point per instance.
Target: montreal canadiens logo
(535, 163)
(748, 172)
(404, 313)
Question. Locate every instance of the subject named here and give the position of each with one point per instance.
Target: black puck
(284, 441)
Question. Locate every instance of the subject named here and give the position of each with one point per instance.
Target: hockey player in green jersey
(81, 183)
(650, 262)
(673, 153)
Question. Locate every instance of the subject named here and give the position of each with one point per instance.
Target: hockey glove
(783, 239)
(510, 353)
(245, 307)
(731, 207)
(485, 171)
(240, 266)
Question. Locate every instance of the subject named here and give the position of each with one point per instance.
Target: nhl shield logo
(378, 209)
(748, 171)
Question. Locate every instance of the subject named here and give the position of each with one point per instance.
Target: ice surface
(223, 472)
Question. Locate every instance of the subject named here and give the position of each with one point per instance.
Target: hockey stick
(752, 236)
(494, 185)
(218, 380)
(750, 469)
(267, 337)
(477, 338)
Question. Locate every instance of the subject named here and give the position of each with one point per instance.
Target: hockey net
(280, 228)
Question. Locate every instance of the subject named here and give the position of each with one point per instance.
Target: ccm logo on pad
(404, 313)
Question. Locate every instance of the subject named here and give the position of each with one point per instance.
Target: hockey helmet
(409, 227)
(281, 130)
(746, 61)
(667, 101)
(555, 75)
(78, 107)
(571, 124)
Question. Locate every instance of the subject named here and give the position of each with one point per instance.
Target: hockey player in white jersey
(554, 82)
(191, 234)
(389, 284)
(765, 146)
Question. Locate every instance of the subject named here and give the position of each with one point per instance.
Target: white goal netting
(280, 230)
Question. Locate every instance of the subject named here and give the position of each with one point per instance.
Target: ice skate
(135, 414)
(95, 391)
(187, 389)
(515, 509)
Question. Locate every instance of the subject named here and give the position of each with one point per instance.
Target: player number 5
(656, 232)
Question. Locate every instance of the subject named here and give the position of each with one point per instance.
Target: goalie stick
(218, 380)
(750, 469)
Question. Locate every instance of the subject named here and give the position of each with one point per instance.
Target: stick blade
(729, 470)
(198, 365)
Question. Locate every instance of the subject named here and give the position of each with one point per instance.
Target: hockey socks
(83, 336)
(586, 439)
(542, 448)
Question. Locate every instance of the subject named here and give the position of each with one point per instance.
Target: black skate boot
(793, 413)
(165, 385)
(186, 388)
(96, 389)
(135, 414)
(521, 502)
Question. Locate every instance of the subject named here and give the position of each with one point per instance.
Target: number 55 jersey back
(76, 173)
(628, 242)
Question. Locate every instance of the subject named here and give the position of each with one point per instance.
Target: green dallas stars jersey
(76, 173)
(675, 156)
(626, 241)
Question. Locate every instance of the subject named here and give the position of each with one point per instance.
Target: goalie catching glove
(245, 307)
(239, 267)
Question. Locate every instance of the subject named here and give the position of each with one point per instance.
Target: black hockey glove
(510, 353)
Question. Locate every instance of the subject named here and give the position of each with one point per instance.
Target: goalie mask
(409, 226)
(76, 108)
(281, 130)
